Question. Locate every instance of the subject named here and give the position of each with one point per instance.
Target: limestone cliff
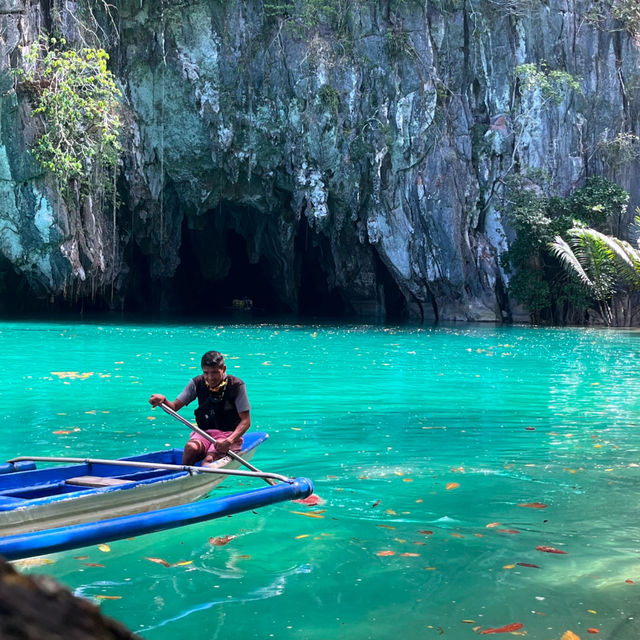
(337, 157)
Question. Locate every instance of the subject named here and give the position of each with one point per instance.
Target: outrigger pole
(159, 465)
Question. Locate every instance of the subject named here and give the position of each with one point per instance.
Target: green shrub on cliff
(77, 101)
(538, 220)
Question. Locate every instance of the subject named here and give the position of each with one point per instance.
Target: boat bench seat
(96, 481)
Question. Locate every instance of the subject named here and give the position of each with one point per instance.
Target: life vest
(217, 410)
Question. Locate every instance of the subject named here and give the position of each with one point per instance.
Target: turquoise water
(423, 443)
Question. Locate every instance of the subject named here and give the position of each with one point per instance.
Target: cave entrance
(395, 303)
(199, 290)
(313, 255)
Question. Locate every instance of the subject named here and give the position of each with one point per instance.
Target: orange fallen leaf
(514, 626)
(534, 505)
(105, 548)
(457, 535)
(164, 563)
(386, 553)
(80, 557)
(101, 597)
(491, 525)
(92, 564)
(593, 630)
(410, 555)
(222, 540)
(546, 549)
(61, 431)
(569, 635)
(528, 564)
(507, 531)
(629, 581)
(385, 526)
(426, 532)
(452, 485)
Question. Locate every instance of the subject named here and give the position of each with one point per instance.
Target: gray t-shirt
(188, 394)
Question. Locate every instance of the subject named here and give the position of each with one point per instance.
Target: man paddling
(223, 410)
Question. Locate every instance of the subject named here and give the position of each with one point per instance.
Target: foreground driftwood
(39, 608)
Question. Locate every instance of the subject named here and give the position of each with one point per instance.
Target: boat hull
(62, 504)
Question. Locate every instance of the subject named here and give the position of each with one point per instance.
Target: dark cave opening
(315, 298)
(198, 290)
(395, 303)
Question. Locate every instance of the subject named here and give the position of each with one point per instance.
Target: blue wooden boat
(93, 500)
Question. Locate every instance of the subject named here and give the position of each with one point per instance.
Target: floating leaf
(105, 548)
(386, 553)
(385, 526)
(32, 562)
(546, 549)
(593, 630)
(184, 563)
(507, 531)
(569, 635)
(375, 504)
(410, 555)
(452, 485)
(222, 540)
(61, 431)
(80, 557)
(514, 626)
(530, 428)
(457, 535)
(92, 564)
(309, 514)
(304, 535)
(101, 597)
(534, 505)
(164, 563)
(493, 524)
(628, 581)
(528, 564)
(509, 566)
(426, 532)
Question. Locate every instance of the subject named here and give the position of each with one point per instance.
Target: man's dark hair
(212, 359)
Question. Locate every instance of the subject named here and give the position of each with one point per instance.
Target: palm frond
(568, 259)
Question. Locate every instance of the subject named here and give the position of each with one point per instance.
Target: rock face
(38, 608)
(335, 157)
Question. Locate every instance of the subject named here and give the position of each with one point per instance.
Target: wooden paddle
(211, 439)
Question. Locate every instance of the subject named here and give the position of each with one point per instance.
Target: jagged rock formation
(39, 608)
(344, 160)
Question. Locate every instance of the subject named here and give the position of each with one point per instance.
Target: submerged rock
(39, 608)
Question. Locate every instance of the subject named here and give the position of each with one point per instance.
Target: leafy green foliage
(76, 97)
(539, 221)
(606, 266)
(552, 84)
(310, 13)
(625, 12)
